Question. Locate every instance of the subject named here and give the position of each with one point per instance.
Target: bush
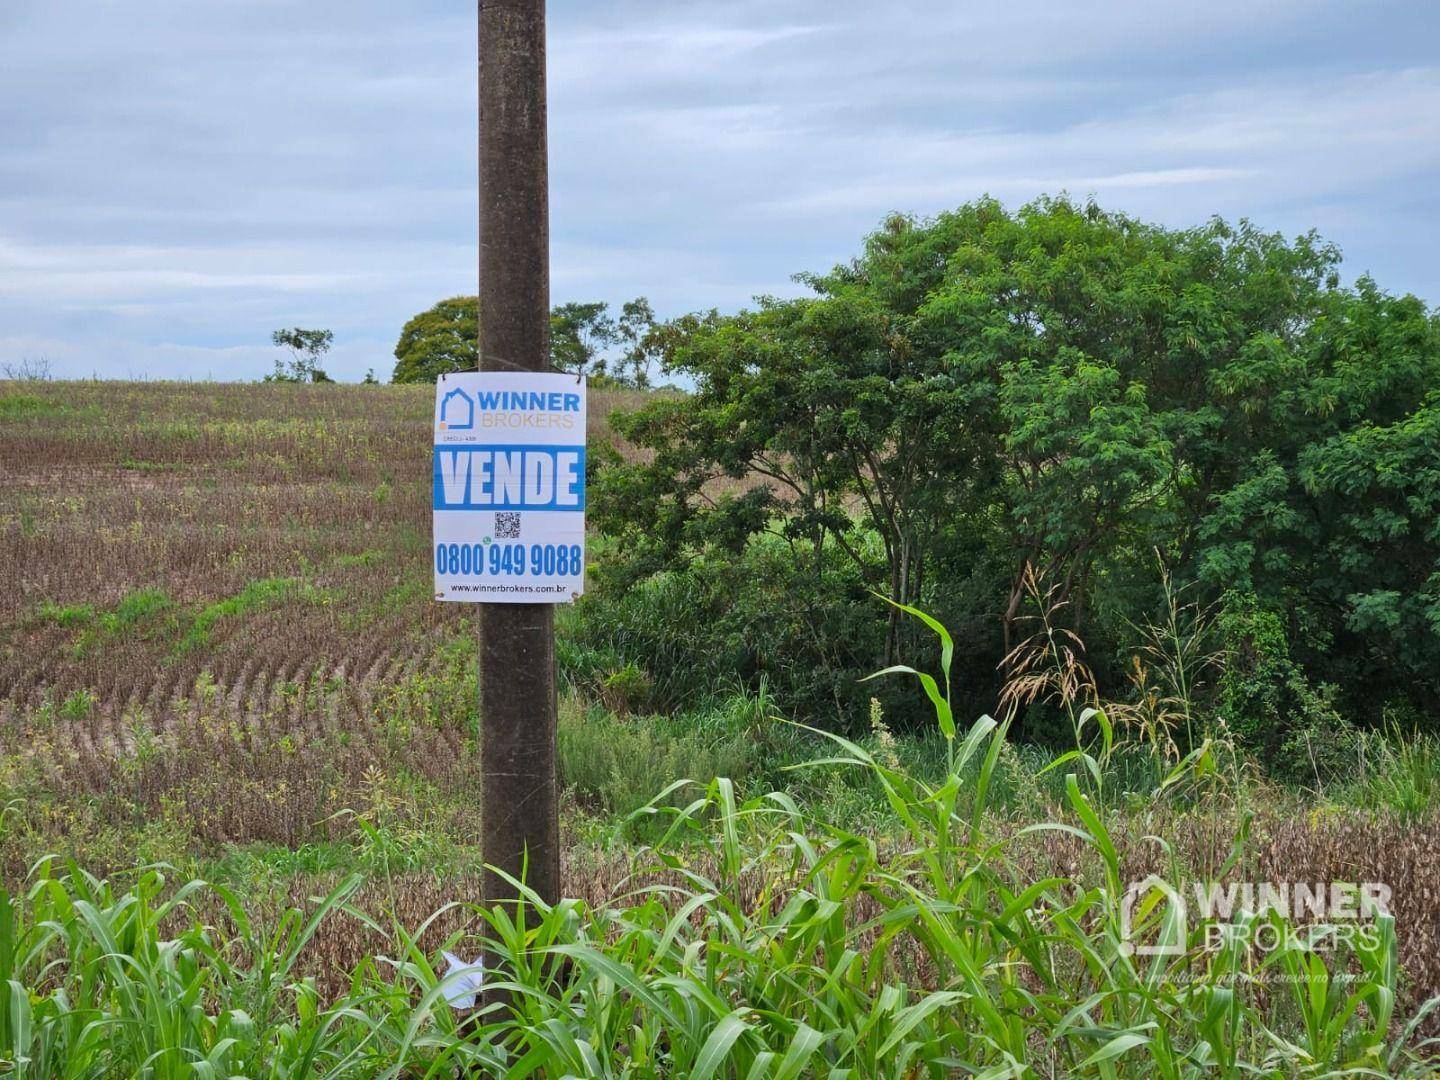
(1269, 703)
(1318, 754)
(1258, 671)
(723, 623)
(626, 689)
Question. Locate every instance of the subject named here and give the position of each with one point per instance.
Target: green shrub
(1269, 703)
(1318, 753)
(626, 689)
(1258, 671)
(616, 765)
(722, 623)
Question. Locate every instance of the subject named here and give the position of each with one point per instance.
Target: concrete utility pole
(519, 805)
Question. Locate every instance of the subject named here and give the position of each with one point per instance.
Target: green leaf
(1120, 1044)
(717, 1046)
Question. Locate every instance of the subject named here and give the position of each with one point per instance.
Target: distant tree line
(584, 338)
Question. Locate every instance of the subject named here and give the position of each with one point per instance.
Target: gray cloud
(177, 179)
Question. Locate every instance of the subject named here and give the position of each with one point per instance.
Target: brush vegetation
(751, 940)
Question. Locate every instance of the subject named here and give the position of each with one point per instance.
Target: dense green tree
(439, 340)
(823, 402)
(1070, 390)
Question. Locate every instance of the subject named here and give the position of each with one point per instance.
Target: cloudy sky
(180, 177)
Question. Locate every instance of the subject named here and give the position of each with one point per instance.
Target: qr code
(507, 525)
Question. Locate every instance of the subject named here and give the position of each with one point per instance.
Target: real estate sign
(509, 487)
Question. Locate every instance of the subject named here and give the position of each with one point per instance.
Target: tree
(306, 347)
(1067, 390)
(810, 412)
(579, 334)
(584, 337)
(1374, 492)
(438, 341)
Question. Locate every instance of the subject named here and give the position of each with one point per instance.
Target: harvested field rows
(215, 602)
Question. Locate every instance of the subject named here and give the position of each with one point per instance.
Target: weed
(77, 707)
(67, 615)
(257, 595)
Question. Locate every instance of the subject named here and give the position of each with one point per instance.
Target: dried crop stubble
(215, 599)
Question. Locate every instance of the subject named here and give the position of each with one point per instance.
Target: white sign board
(509, 494)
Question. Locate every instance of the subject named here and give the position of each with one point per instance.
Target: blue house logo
(457, 411)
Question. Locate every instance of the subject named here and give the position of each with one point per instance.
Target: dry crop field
(215, 613)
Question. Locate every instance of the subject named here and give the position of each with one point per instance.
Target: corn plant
(807, 949)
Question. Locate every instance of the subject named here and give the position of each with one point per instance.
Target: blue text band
(509, 477)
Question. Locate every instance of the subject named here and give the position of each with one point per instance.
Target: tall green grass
(755, 941)
(1397, 773)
